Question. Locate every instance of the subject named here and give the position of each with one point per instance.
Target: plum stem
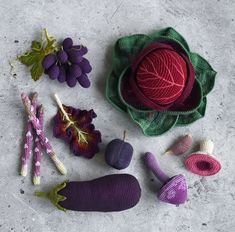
(153, 165)
(124, 135)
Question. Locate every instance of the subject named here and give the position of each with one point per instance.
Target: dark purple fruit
(105, 194)
(84, 81)
(62, 74)
(48, 61)
(75, 71)
(67, 43)
(62, 56)
(74, 56)
(53, 72)
(118, 154)
(82, 50)
(71, 81)
(85, 66)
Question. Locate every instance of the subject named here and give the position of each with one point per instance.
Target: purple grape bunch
(68, 64)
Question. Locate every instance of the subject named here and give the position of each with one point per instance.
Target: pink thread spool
(203, 162)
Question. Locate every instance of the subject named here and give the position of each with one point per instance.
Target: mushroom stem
(207, 146)
(154, 167)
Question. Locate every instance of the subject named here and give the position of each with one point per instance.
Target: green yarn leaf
(184, 120)
(172, 34)
(111, 92)
(54, 196)
(204, 72)
(126, 49)
(154, 123)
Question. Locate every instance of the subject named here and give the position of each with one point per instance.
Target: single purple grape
(82, 50)
(62, 56)
(62, 74)
(53, 72)
(74, 56)
(75, 71)
(84, 81)
(71, 81)
(67, 43)
(48, 61)
(85, 66)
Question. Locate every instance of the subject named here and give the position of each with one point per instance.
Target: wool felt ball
(118, 153)
(109, 193)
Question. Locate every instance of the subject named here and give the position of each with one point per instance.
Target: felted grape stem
(41, 134)
(70, 122)
(28, 140)
(38, 150)
(153, 165)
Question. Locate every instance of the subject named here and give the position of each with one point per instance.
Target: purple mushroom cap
(174, 191)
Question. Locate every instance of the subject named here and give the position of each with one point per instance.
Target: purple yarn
(106, 194)
(118, 154)
(174, 190)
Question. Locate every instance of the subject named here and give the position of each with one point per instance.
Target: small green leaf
(153, 123)
(28, 58)
(36, 46)
(36, 71)
(184, 120)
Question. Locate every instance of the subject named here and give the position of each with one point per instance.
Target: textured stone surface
(208, 26)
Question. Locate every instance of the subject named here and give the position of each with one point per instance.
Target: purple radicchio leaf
(77, 130)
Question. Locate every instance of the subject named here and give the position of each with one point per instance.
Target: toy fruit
(203, 162)
(174, 189)
(181, 146)
(105, 194)
(118, 153)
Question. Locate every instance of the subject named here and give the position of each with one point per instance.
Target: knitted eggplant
(115, 192)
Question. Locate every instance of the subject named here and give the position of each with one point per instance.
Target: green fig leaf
(153, 123)
(35, 56)
(28, 58)
(184, 120)
(204, 72)
(36, 71)
(36, 46)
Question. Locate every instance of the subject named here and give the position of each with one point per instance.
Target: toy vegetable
(118, 153)
(105, 194)
(41, 134)
(174, 189)
(181, 146)
(203, 162)
(158, 81)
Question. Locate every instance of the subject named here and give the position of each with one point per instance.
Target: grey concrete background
(209, 28)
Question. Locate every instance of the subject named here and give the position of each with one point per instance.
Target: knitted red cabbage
(161, 76)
